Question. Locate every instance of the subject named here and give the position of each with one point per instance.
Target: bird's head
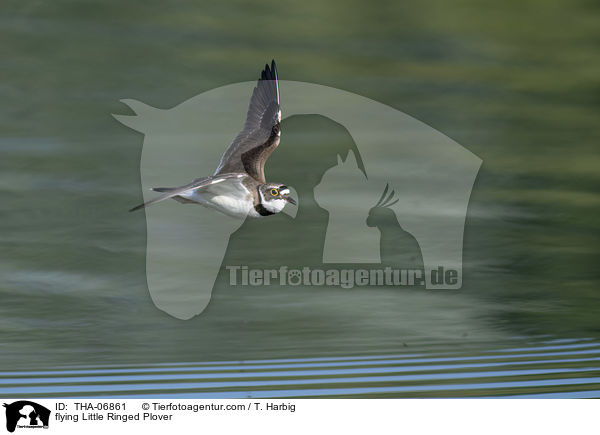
(274, 196)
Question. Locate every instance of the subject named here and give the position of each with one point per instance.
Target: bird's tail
(167, 192)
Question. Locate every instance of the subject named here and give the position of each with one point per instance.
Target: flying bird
(238, 187)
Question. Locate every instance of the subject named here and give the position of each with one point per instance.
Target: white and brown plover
(238, 187)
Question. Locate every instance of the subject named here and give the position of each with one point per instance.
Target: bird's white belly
(232, 202)
(231, 206)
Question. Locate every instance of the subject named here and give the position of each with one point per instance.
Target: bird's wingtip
(274, 68)
(269, 72)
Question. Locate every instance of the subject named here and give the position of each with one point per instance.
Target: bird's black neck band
(261, 210)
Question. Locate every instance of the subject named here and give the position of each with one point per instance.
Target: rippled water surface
(543, 369)
(516, 84)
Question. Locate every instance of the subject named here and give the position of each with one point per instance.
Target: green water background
(517, 83)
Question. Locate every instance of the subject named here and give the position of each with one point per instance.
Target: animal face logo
(431, 177)
(25, 413)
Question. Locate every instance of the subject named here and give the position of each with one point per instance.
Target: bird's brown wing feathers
(260, 135)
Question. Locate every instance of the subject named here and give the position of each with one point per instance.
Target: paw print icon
(294, 277)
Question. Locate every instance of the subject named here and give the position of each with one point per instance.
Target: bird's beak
(291, 200)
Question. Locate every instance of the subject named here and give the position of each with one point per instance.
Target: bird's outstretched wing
(170, 192)
(260, 136)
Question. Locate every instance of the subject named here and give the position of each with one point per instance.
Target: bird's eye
(274, 192)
